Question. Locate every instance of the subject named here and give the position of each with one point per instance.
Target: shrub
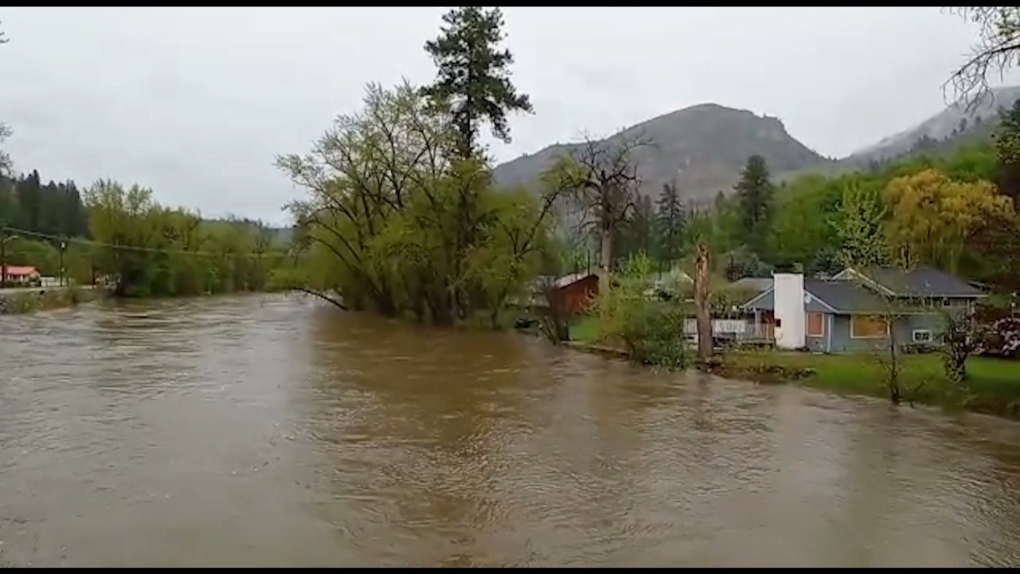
(1001, 339)
(651, 331)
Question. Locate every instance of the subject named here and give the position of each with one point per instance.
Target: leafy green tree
(150, 250)
(858, 224)
(801, 227)
(474, 75)
(754, 202)
(932, 217)
(385, 225)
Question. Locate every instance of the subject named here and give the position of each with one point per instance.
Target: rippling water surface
(271, 431)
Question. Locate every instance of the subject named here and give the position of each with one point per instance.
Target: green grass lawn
(993, 384)
(585, 329)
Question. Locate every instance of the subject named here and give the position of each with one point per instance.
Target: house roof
(828, 296)
(19, 270)
(758, 284)
(920, 282)
(845, 296)
(924, 281)
(567, 280)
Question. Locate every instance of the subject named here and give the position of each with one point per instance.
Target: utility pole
(63, 246)
(3, 257)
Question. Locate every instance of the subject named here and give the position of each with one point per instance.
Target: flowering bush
(1001, 339)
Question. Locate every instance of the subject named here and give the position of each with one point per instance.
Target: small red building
(574, 293)
(20, 276)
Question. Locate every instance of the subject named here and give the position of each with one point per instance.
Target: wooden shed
(575, 292)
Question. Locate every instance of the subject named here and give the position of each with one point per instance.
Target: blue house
(857, 310)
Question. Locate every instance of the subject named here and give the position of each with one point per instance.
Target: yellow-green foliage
(154, 250)
(651, 331)
(397, 221)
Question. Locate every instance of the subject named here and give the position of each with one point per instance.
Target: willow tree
(151, 249)
(932, 217)
(385, 222)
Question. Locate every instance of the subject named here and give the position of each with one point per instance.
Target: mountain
(943, 132)
(702, 148)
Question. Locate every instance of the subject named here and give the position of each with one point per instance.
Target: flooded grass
(993, 385)
(28, 301)
(585, 330)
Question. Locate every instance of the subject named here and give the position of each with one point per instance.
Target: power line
(91, 243)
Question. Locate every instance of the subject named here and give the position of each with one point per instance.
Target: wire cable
(138, 248)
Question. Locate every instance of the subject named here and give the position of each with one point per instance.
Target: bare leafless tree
(996, 51)
(601, 178)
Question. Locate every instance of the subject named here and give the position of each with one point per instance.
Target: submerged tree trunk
(702, 308)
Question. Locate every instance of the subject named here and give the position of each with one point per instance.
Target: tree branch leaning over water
(322, 296)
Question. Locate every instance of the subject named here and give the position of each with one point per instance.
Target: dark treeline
(50, 208)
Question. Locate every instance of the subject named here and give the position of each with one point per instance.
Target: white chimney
(788, 298)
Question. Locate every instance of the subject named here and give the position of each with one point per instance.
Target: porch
(746, 331)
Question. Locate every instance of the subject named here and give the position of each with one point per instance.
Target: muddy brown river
(273, 431)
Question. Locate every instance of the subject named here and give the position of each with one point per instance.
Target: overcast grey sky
(196, 102)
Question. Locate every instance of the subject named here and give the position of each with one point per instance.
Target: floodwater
(273, 431)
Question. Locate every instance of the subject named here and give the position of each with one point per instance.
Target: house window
(947, 302)
(921, 336)
(815, 325)
(868, 327)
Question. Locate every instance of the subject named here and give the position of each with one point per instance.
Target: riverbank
(28, 300)
(993, 385)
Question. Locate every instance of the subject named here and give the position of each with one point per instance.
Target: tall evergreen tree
(670, 223)
(30, 201)
(474, 74)
(754, 202)
(635, 235)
